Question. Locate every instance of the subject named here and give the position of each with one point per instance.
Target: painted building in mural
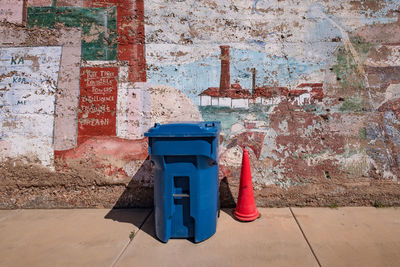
(234, 96)
(311, 88)
(227, 94)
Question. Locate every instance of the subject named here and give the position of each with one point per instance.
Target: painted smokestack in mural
(253, 84)
(225, 81)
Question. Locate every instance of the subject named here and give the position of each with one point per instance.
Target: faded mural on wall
(292, 81)
(312, 88)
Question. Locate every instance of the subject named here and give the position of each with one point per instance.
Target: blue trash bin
(185, 164)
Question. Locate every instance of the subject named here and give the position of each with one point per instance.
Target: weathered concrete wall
(312, 88)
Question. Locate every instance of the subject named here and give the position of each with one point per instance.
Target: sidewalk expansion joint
(130, 240)
(305, 237)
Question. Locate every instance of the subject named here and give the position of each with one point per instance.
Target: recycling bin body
(185, 163)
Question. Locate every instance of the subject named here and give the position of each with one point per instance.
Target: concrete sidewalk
(281, 237)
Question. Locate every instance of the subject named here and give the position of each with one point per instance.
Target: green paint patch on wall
(99, 27)
(362, 133)
(230, 116)
(346, 68)
(353, 104)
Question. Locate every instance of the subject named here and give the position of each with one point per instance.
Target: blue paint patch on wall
(391, 127)
(195, 77)
(257, 42)
(381, 16)
(323, 31)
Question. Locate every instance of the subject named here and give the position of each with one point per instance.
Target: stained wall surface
(311, 88)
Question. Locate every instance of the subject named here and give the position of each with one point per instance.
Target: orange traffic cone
(246, 209)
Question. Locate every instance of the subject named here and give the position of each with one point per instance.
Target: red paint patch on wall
(106, 154)
(119, 149)
(97, 103)
(24, 12)
(268, 92)
(249, 125)
(253, 140)
(393, 105)
(297, 92)
(307, 136)
(317, 94)
(131, 37)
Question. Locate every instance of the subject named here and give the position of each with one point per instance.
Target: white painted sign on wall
(28, 82)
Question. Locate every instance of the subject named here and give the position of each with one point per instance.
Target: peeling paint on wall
(28, 85)
(312, 88)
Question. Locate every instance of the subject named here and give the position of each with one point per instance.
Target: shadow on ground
(136, 192)
(225, 195)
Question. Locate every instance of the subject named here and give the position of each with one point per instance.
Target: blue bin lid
(185, 129)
